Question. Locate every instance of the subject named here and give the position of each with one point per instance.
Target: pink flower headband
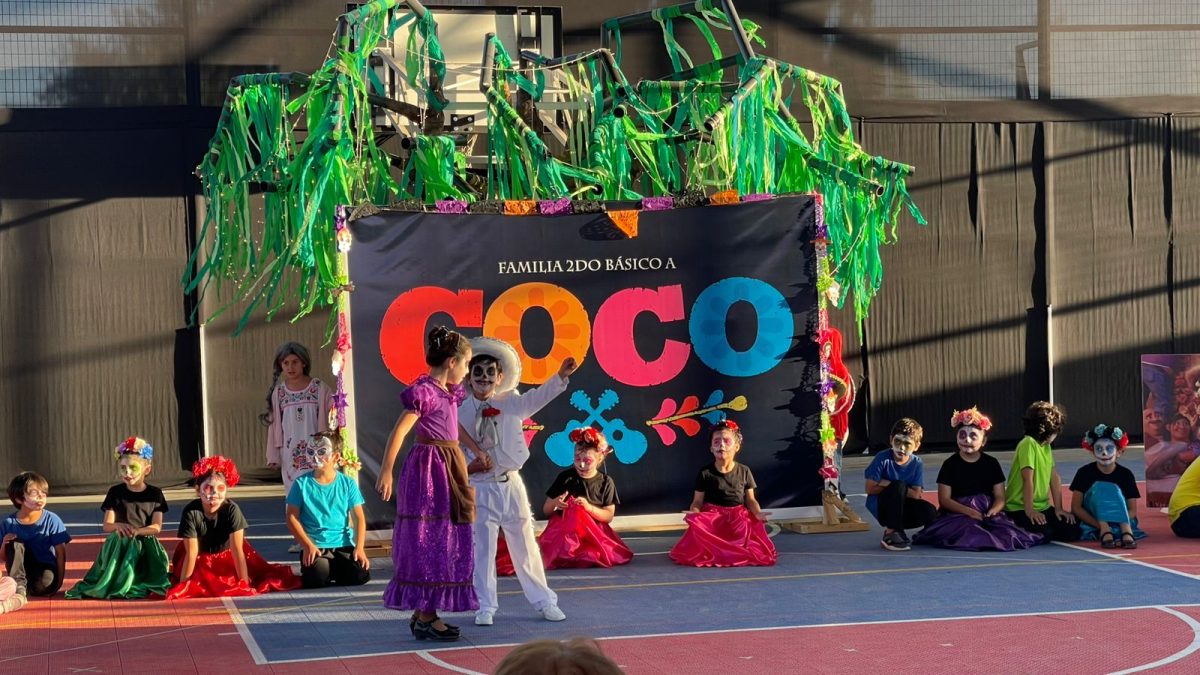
(971, 417)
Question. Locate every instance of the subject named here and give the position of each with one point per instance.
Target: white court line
(1183, 653)
(843, 624)
(1134, 561)
(243, 630)
(448, 666)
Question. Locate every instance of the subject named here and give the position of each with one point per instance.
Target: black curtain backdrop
(703, 307)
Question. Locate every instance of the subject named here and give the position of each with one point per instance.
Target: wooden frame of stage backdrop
(677, 317)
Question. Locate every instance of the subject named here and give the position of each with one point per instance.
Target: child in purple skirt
(971, 496)
(435, 503)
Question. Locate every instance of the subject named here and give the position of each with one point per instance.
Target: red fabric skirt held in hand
(215, 575)
(573, 540)
(724, 536)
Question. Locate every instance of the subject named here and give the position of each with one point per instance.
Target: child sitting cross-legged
(1104, 494)
(320, 506)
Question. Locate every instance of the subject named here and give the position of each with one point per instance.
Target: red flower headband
(216, 464)
(971, 417)
(727, 424)
(588, 437)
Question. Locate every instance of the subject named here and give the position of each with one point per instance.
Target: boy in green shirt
(1034, 491)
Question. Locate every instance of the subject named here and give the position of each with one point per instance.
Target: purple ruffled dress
(434, 557)
(963, 533)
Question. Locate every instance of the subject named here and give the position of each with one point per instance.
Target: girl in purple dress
(435, 504)
(971, 496)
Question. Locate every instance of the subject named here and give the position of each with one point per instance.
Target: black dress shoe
(426, 631)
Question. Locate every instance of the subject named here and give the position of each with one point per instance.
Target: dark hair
(18, 485)
(285, 350)
(907, 426)
(443, 344)
(727, 424)
(486, 358)
(1043, 419)
(335, 439)
(576, 656)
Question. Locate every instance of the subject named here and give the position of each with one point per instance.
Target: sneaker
(295, 548)
(13, 603)
(484, 617)
(552, 613)
(895, 541)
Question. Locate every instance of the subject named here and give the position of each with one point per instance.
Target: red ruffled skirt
(724, 536)
(573, 540)
(215, 575)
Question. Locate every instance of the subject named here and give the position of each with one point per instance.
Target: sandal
(1107, 540)
(1127, 540)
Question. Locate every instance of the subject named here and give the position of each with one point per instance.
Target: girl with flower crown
(580, 503)
(725, 522)
(132, 563)
(213, 558)
(971, 496)
(1104, 494)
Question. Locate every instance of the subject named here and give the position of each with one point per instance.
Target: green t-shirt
(1037, 456)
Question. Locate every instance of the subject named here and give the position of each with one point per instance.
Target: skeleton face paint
(970, 439)
(132, 470)
(587, 459)
(320, 452)
(903, 447)
(724, 446)
(1105, 451)
(212, 493)
(485, 377)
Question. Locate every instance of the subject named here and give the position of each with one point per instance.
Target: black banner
(705, 312)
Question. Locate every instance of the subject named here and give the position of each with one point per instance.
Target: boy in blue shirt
(319, 509)
(895, 482)
(34, 541)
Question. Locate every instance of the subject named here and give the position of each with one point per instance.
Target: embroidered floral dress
(295, 417)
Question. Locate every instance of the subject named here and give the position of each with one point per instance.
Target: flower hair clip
(589, 437)
(971, 417)
(138, 447)
(728, 424)
(216, 464)
(1100, 431)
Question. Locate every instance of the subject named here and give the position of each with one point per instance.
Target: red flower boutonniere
(491, 412)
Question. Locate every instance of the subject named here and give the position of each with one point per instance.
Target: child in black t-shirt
(725, 522)
(132, 563)
(1104, 494)
(580, 504)
(213, 558)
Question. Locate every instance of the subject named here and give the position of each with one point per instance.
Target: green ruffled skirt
(127, 568)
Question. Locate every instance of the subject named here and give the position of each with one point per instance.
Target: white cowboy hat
(504, 353)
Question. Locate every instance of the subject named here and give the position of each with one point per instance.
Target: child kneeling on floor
(320, 505)
(1104, 494)
(725, 522)
(895, 483)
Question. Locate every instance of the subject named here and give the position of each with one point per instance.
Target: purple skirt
(434, 557)
(962, 533)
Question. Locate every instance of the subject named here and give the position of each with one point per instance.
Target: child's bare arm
(753, 507)
(386, 480)
(1056, 497)
(916, 491)
(1027, 497)
(947, 503)
(998, 499)
(555, 504)
(153, 529)
(1131, 505)
(697, 502)
(111, 524)
(603, 514)
(308, 549)
(1080, 512)
(877, 487)
(60, 554)
(239, 555)
(360, 538)
(191, 547)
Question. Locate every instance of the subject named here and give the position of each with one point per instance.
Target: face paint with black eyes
(485, 377)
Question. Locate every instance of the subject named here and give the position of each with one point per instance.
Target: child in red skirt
(725, 522)
(213, 558)
(580, 504)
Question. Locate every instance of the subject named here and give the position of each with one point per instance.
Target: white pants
(506, 505)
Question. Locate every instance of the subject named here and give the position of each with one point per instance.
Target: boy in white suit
(490, 424)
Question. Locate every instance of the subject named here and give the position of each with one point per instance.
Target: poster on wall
(703, 313)
(1170, 420)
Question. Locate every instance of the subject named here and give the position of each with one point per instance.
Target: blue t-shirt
(325, 509)
(884, 467)
(41, 537)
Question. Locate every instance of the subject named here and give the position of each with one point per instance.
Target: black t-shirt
(213, 534)
(725, 489)
(134, 508)
(1090, 474)
(600, 489)
(970, 478)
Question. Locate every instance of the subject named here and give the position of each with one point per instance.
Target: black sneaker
(895, 541)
